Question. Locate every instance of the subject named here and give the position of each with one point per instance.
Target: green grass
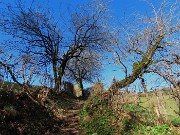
(139, 129)
(166, 103)
(4, 86)
(97, 118)
(175, 120)
(135, 119)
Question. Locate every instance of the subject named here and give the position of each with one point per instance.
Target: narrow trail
(71, 120)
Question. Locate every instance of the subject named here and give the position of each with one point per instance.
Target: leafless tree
(149, 41)
(86, 68)
(36, 32)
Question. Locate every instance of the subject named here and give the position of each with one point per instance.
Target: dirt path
(71, 121)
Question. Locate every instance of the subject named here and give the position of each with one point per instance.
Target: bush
(97, 118)
(139, 129)
(132, 119)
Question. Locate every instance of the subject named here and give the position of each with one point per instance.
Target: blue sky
(118, 9)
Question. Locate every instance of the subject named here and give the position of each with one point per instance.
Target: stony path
(71, 122)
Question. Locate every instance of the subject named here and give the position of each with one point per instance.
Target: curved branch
(162, 75)
(11, 73)
(141, 67)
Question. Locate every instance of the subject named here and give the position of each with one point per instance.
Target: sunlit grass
(166, 103)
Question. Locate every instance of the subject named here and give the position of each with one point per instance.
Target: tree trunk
(81, 87)
(80, 83)
(139, 67)
(55, 72)
(60, 75)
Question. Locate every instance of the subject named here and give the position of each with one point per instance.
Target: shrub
(139, 129)
(97, 118)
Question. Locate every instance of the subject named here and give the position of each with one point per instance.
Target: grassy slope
(167, 104)
(98, 118)
(19, 115)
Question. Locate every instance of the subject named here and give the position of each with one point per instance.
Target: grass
(175, 120)
(4, 86)
(97, 117)
(167, 106)
(166, 102)
(66, 101)
(163, 129)
(20, 115)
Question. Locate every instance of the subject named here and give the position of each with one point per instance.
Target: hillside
(65, 114)
(19, 115)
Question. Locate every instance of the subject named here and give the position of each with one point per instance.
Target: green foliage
(97, 118)
(175, 120)
(161, 129)
(96, 115)
(139, 129)
(143, 122)
(4, 86)
(140, 114)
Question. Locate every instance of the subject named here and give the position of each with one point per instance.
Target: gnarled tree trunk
(139, 68)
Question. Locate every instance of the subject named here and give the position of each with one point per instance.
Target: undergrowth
(98, 118)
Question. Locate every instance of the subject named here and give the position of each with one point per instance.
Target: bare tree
(40, 34)
(149, 40)
(19, 70)
(86, 68)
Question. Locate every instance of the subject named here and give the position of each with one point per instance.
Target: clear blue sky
(118, 9)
